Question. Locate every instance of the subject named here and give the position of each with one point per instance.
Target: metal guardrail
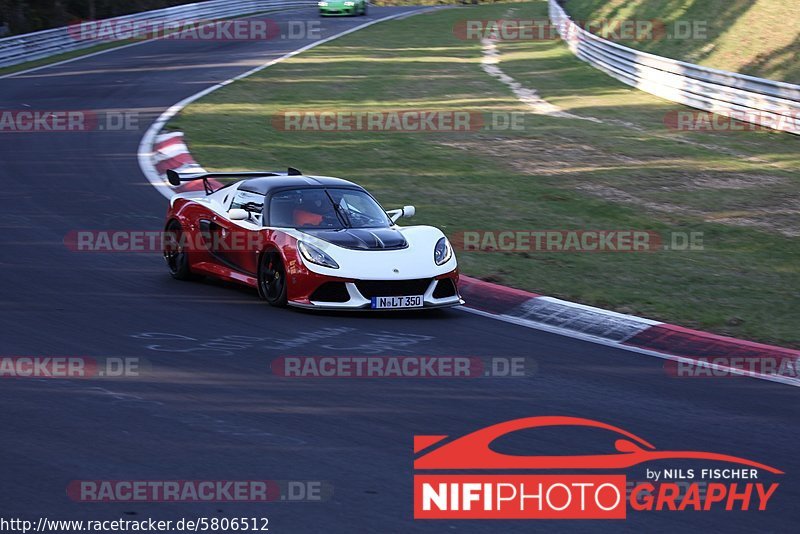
(768, 103)
(46, 43)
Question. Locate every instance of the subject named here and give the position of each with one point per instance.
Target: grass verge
(624, 171)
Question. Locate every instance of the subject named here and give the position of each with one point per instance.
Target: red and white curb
(159, 152)
(721, 355)
(170, 152)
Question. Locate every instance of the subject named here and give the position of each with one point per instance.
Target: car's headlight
(349, 4)
(442, 252)
(322, 4)
(315, 255)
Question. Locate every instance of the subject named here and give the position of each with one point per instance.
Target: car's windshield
(326, 208)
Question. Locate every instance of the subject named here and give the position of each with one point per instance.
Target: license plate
(414, 301)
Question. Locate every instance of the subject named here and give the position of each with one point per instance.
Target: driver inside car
(315, 210)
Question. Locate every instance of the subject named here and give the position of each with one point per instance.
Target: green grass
(627, 171)
(756, 37)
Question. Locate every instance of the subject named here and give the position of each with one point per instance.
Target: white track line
(526, 95)
(490, 63)
(122, 47)
(789, 381)
(145, 153)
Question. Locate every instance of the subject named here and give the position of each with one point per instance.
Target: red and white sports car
(307, 241)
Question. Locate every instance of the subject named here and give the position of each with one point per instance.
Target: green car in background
(342, 7)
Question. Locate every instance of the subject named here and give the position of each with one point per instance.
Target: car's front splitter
(331, 306)
(356, 300)
(337, 12)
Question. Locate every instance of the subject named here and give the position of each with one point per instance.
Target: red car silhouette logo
(473, 451)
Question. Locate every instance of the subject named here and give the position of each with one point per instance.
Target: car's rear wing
(175, 178)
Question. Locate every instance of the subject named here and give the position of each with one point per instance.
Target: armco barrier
(38, 45)
(767, 103)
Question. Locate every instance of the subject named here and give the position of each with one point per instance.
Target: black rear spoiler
(175, 178)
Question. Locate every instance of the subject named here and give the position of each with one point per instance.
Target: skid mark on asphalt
(325, 338)
(157, 409)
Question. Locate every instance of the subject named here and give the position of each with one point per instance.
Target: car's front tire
(175, 253)
(272, 284)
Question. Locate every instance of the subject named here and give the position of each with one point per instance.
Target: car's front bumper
(358, 294)
(337, 11)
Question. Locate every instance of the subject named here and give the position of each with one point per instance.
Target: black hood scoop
(362, 238)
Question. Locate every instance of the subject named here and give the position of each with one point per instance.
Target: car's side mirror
(405, 211)
(238, 214)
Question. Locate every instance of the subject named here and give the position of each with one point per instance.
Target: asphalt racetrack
(209, 408)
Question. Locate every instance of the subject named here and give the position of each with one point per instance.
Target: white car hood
(413, 261)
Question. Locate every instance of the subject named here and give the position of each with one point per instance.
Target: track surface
(218, 413)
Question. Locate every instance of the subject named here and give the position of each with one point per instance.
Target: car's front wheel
(272, 278)
(175, 253)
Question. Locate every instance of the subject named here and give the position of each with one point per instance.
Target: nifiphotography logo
(592, 486)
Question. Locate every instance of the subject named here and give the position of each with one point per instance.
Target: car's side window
(251, 202)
